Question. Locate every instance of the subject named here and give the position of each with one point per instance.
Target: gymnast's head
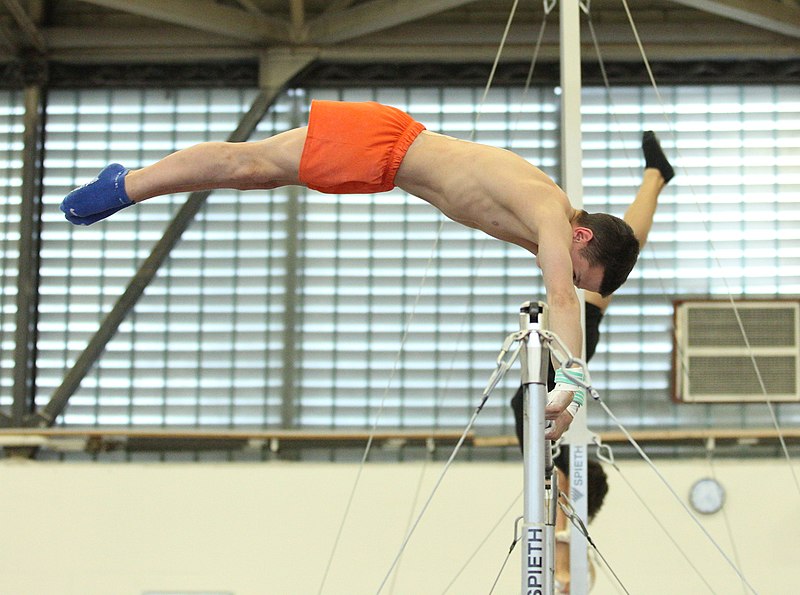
(606, 252)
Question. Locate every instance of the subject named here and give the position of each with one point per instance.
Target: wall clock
(707, 495)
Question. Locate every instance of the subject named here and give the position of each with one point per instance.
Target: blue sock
(99, 198)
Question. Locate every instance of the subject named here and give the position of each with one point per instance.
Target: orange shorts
(355, 148)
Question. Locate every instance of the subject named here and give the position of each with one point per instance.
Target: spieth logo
(578, 466)
(535, 561)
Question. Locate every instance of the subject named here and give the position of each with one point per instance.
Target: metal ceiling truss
(771, 15)
(245, 73)
(383, 31)
(342, 21)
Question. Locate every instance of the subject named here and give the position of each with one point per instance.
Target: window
(11, 128)
(289, 307)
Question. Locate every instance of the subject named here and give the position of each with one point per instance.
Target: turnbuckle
(505, 359)
(565, 359)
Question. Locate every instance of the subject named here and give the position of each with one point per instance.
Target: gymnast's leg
(657, 174)
(264, 164)
(654, 157)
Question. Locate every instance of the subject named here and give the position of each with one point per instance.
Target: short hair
(598, 488)
(613, 246)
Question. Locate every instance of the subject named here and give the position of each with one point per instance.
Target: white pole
(538, 534)
(578, 436)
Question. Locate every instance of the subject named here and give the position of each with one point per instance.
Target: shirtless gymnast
(355, 148)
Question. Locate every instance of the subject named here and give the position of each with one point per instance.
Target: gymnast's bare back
(487, 188)
(483, 187)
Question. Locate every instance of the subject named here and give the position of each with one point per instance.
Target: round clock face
(707, 496)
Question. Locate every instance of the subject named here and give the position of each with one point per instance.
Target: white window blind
(11, 128)
(206, 344)
(203, 345)
(373, 265)
(727, 225)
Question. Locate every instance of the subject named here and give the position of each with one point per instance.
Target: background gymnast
(363, 148)
(657, 174)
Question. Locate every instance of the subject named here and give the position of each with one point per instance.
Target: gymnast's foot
(654, 156)
(96, 200)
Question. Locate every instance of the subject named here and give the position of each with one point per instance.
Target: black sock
(654, 156)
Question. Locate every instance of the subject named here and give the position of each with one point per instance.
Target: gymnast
(639, 215)
(657, 174)
(364, 148)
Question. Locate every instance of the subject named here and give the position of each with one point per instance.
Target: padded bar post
(538, 537)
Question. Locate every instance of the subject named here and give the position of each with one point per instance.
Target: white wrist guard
(565, 383)
(573, 407)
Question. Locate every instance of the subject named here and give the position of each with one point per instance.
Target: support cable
(715, 256)
(505, 360)
(547, 6)
(677, 497)
(710, 446)
(378, 415)
(409, 322)
(605, 454)
(568, 509)
(483, 542)
(567, 360)
(507, 557)
(681, 353)
(410, 518)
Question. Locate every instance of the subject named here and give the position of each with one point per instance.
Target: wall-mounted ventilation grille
(713, 363)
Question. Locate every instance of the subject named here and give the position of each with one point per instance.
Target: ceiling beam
(522, 53)
(208, 16)
(337, 5)
(8, 38)
(670, 52)
(26, 25)
(77, 38)
(250, 6)
(297, 9)
(727, 34)
(765, 14)
(374, 16)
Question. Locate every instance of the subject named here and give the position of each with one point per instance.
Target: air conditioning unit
(742, 351)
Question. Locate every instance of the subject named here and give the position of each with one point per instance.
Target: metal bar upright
(538, 538)
(291, 299)
(572, 182)
(29, 243)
